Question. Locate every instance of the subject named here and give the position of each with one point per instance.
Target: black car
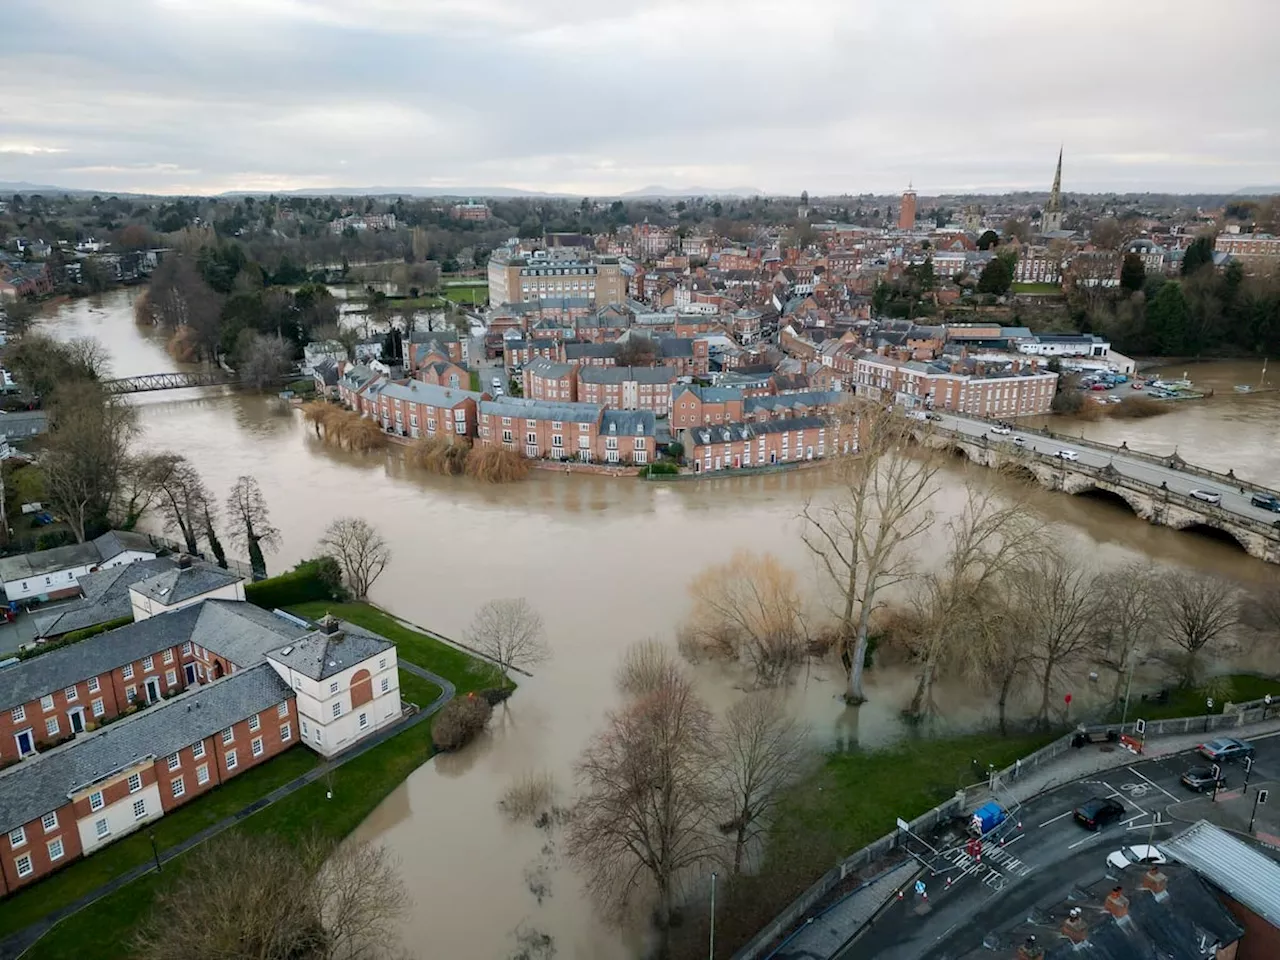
(1202, 780)
(1266, 501)
(1098, 812)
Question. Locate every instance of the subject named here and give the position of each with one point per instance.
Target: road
(1233, 501)
(1043, 849)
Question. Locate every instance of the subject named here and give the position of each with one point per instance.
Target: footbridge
(150, 382)
(1155, 488)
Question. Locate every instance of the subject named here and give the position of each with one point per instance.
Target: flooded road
(606, 562)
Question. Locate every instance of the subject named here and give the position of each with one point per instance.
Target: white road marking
(1133, 819)
(1054, 820)
(1091, 837)
(1153, 783)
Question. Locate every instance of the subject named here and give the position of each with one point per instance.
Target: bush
(318, 579)
(441, 455)
(1138, 407)
(459, 722)
(675, 450)
(496, 465)
(663, 468)
(344, 428)
(58, 538)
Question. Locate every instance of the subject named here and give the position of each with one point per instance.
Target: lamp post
(711, 949)
(155, 851)
(1208, 708)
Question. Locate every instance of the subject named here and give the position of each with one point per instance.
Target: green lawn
(475, 381)
(102, 930)
(1038, 289)
(469, 293)
(1190, 701)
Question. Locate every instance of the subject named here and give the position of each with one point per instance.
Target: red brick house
(627, 388)
(732, 446)
(411, 408)
(553, 382)
(568, 431)
(694, 406)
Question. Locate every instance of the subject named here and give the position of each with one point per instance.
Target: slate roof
(233, 629)
(47, 561)
(415, 391)
(320, 655)
(616, 374)
(628, 423)
(589, 351)
(1241, 871)
(178, 584)
(32, 788)
(549, 369)
(106, 598)
(523, 407)
(730, 432)
(709, 394)
(23, 423)
(793, 401)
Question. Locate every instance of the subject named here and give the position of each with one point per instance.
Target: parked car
(1226, 749)
(1001, 429)
(1098, 812)
(918, 415)
(1139, 853)
(1202, 779)
(1098, 386)
(1266, 501)
(934, 416)
(1208, 496)
(1067, 455)
(498, 392)
(1019, 442)
(497, 382)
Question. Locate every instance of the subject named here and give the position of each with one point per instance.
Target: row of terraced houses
(102, 737)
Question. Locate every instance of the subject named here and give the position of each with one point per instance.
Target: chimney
(1155, 881)
(184, 562)
(1117, 903)
(329, 626)
(1030, 950)
(1074, 928)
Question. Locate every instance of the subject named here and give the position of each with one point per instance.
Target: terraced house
(585, 432)
(99, 738)
(730, 446)
(411, 408)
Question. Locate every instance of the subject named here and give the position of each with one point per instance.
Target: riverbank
(290, 795)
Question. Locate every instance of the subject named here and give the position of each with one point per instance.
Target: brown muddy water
(607, 562)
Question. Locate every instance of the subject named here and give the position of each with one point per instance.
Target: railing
(150, 382)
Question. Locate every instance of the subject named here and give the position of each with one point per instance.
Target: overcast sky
(604, 96)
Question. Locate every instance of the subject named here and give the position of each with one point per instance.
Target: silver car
(1208, 496)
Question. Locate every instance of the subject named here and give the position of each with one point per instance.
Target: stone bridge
(1142, 493)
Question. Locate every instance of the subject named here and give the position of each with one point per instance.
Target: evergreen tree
(1132, 273)
(1167, 320)
(1199, 254)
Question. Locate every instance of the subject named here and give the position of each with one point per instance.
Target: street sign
(1067, 699)
(903, 825)
(1262, 797)
(1209, 703)
(1217, 771)
(1140, 727)
(1267, 699)
(1248, 764)
(919, 888)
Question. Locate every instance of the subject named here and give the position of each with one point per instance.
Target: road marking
(1153, 783)
(1133, 819)
(1054, 820)
(1091, 837)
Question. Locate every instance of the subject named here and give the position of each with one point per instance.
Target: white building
(1065, 345)
(185, 585)
(345, 682)
(52, 574)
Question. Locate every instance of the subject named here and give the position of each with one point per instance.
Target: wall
(323, 732)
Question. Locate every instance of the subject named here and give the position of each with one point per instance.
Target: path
(17, 944)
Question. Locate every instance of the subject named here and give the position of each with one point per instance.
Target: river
(607, 562)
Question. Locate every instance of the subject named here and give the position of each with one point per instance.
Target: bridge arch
(1114, 497)
(1016, 470)
(1211, 531)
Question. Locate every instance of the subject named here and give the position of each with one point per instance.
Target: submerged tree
(510, 633)
(1199, 612)
(251, 522)
(359, 549)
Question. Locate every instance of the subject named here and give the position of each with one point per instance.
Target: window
(506, 436)
(101, 828)
(304, 727)
(557, 440)
(19, 714)
(254, 723)
(17, 837)
(23, 863)
(386, 684)
(177, 787)
(186, 649)
(168, 656)
(135, 782)
(202, 774)
(382, 665)
(127, 671)
(337, 709)
(319, 735)
(228, 735)
(49, 821)
(51, 726)
(231, 760)
(93, 685)
(148, 663)
(130, 693)
(55, 849)
(333, 687)
(71, 694)
(286, 733)
(171, 678)
(174, 761)
(139, 809)
(255, 746)
(197, 749)
(282, 710)
(364, 720)
(46, 702)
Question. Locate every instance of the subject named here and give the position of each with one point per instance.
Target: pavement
(1038, 846)
(17, 944)
(1233, 501)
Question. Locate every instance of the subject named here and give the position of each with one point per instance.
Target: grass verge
(1190, 701)
(1038, 289)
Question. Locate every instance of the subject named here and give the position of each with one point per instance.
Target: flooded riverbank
(607, 562)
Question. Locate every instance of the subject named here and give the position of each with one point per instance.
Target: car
(1001, 429)
(1266, 501)
(1097, 812)
(1208, 496)
(934, 416)
(1019, 442)
(497, 383)
(1067, 455)
(498, 392)
(1098, 386)
(1202, 779)
(1226, 749)
(1138, 853)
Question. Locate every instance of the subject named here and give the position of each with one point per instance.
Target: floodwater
(606, 562)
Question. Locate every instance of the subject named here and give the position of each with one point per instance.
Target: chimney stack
(1155, 881)
(1030, 950)
(1074, 928)
(1117, 903)
(329, 625)
(184, 562)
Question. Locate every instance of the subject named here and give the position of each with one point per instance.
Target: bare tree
(510, 633)
(259, 897)
(1128, 621)
(182, 495)
(984, 543)
(251, 522)
(1055, 599)
(1000, 658)
(749, 609)
(179, 297)
(86, 454)
(861, 538)
(645, 667)
(262, 360)
(1199, 612)
(360, 551)
(644, 814)
(761, 751)
(1260, 610)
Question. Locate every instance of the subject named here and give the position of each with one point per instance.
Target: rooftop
(415, 391)
(185, 579)
(322, 654)
(1241, 871)
(541, 410)
(104, 548)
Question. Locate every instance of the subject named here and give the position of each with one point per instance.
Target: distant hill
(459, 192)
(1270, 191)
(657, 191)
(22, 186)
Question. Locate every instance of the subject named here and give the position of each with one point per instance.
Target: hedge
(318, 579)
(75, 636)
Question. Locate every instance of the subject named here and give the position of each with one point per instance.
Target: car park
(1203, 779)
(1226, 749)
(1266, 501)
(1136, 854)
(1208, 496)
(1098, 812)
(1067, 455)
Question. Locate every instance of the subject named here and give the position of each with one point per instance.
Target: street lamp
(155, 851)
(1208, 708)
(711, 950)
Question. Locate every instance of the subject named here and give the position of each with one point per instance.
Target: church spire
(1055, 195)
